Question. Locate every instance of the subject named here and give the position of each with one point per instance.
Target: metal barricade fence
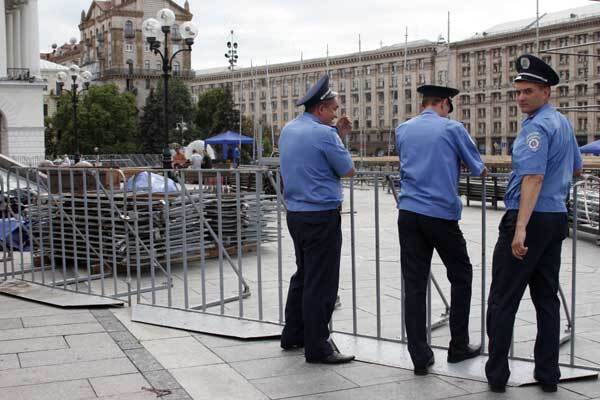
(214, 242)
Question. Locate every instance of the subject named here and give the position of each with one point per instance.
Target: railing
(18, 74)
(213, 241)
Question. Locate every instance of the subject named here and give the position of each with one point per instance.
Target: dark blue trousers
(313, 288)
(419, 236)
(510, 276)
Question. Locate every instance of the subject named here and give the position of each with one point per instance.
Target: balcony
(18, 74)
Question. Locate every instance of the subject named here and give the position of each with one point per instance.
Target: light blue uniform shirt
(312, 159)
(545, 146)
(431, 149)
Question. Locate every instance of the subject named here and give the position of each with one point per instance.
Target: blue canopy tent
(591, 148)
(227, 139)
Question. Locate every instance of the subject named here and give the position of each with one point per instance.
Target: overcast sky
(279, 30)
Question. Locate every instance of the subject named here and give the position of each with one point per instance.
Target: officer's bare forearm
(350, 174)
(530, 190)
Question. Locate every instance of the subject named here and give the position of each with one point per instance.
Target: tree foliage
(216, 113)
(180, 108)
(106, 119)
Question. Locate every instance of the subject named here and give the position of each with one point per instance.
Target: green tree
(106, 119)
(181, 108)
(216, 113)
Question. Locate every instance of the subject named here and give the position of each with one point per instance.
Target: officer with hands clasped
(431, 148)
(545, 158)
(313, 159)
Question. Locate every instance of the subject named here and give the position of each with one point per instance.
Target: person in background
(196, 160)
(179, 160)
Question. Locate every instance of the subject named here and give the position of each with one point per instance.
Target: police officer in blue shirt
(431, 148)
(545, 158)
(313, 159)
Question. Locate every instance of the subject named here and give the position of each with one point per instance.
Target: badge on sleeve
(534, 141)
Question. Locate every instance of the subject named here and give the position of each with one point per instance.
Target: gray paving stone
(130, 396)
(130, 345)
(66, 372)
(89, 340)
(217, 341)
(520, 393)
(45, 331)
(10, 323)
(162, 379)
(589, 387)
(428, 388)
(143, 360)
(9, 361)
(62, 319)
(111, 324)
(115, 385)
(36, 344)
(71, 390)
(254, 351)
(256, 369)
(181, 352)
(35, 310)
(466, 384)
(72, 355)
(363, 374)
(300, 385)
(205, 382)
(122, 336)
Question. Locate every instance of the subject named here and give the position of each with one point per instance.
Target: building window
(563, 91)
(497, 112)
(128, 48)
(582, 124)
(147, 47)
(581, 90)
(466, 114)
(158, 65)
(481, 112)
(513, 126)
(512, 111)
(129, 31)
(466, 85)
(368, 97)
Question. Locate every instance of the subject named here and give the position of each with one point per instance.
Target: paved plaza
(52, 353)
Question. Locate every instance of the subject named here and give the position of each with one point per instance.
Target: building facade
(378, 88)
(114, 49)
(21, 98)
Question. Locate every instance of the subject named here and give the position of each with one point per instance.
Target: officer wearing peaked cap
(545, 158)
(313, 159)
(431, 148)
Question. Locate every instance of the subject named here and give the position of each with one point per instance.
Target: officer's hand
(484, 173)
(518, 244)
(344, 126)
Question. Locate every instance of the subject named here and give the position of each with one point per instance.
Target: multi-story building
(49, 75)
(377, 91)
(21, 118)
(484, 69)
(376, 88)
(114, 49)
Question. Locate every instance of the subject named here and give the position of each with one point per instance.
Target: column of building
(3, 45)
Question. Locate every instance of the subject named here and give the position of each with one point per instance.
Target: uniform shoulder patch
(534, 141)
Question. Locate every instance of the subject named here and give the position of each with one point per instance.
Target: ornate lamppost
(78, 79)
(152, 28)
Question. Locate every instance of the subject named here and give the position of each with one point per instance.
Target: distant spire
(187, 6)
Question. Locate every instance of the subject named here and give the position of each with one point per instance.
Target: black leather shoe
(334, 358)
(291, 346)
(457, 355)
(424, 370)
(497, 388)
(549, 387)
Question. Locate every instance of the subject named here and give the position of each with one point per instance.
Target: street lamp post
(151, 29)
(77, 77)
(232, 57)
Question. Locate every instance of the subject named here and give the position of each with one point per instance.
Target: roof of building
(46, 65)
(397, 46)
(546, 19)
